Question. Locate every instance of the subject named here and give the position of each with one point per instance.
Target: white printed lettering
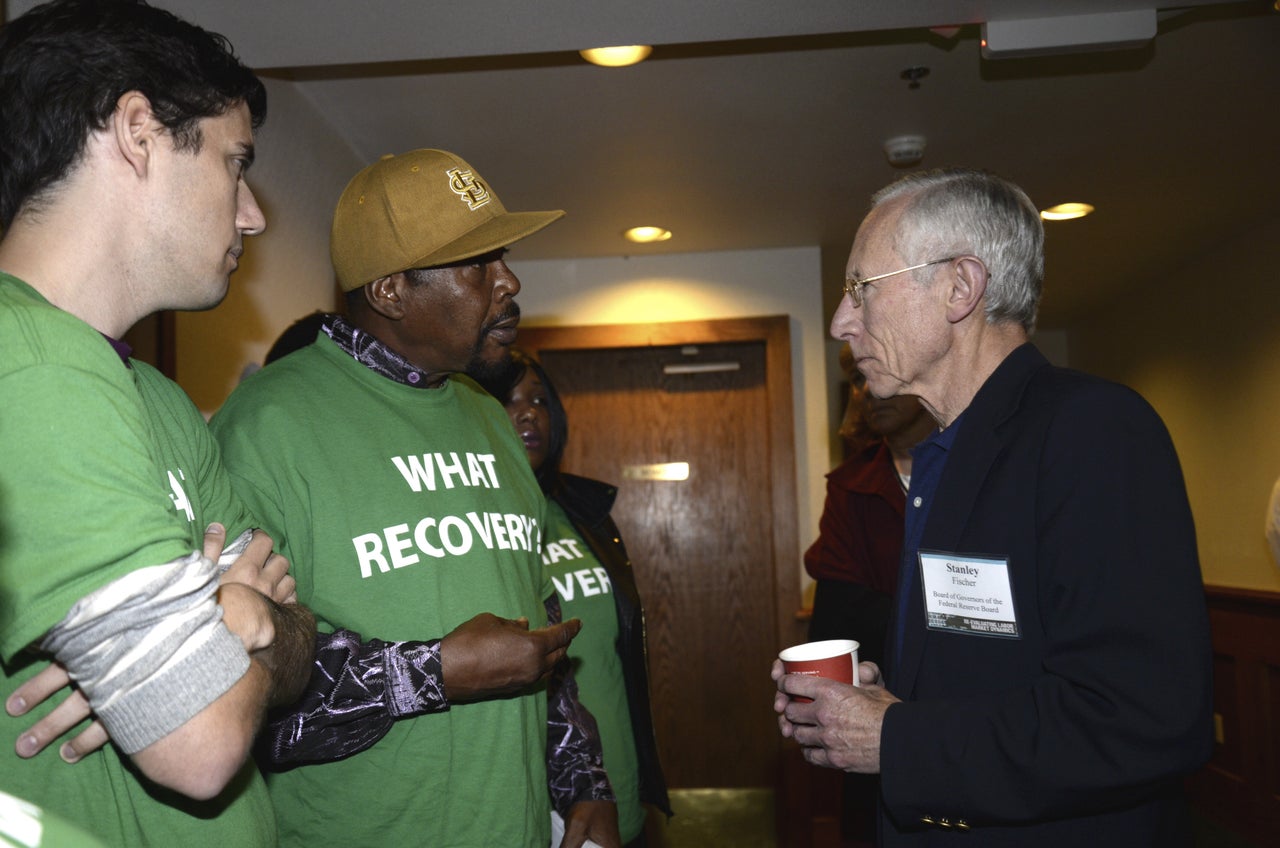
(484, 527)
(478, 477)
(477, 469)
(424, 544)
(450, 470)
(369, 550)
(416, 473)
(487, 460)
(453, 522)
(398, 546)
(587, 581)
(500, 533)
(179, 497)
(594, 581)
(517, 531)
(565, 589)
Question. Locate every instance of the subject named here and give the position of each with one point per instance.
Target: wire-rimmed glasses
(853, 286)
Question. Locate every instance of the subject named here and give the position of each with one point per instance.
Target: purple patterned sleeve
(357, 690)
(575, 762)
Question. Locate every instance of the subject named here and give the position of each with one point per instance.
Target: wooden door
(705, 547)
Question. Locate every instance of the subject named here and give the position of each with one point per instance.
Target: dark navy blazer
(1079, 731)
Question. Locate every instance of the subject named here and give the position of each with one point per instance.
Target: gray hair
(959, 211)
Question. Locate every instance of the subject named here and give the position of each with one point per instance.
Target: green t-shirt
(404, 511)
(24, 825)
(586, 592)
(103, 470)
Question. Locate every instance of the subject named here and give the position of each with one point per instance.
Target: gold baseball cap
(418, 210)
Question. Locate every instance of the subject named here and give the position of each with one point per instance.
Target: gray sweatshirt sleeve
(149, 650)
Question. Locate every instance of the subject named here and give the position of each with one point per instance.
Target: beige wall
(1204, 348)
(301, 168)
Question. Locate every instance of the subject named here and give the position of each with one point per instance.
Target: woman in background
(584, 555)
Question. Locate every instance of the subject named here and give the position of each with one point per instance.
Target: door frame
(774, 331)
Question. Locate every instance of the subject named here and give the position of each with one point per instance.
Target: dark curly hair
(65, 64)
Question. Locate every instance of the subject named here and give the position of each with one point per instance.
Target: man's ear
(385, 296)
(136, 130)
(967, 284)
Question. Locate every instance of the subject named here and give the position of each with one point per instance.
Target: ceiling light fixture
(1066, 211)
(647, 235)
(616, 57)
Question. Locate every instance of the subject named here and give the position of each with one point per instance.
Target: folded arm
(359, 687)
(356, 691)
(178, 664)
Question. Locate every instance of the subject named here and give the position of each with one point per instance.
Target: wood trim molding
(1255, 597)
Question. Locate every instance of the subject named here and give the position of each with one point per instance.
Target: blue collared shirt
(927, 461)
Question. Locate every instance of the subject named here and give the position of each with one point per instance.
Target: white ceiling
(760, 123)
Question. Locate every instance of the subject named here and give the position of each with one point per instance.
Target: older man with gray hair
(1047, 678)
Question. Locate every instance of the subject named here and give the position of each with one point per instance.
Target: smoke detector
(904, 150)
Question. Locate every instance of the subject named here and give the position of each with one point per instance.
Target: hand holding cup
(834, 659)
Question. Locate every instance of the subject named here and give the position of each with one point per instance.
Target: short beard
(488, 372)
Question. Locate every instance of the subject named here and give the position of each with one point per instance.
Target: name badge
(966, 594)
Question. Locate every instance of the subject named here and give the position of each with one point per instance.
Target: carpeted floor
(717, 818)
(744, 818)
(1210, 834)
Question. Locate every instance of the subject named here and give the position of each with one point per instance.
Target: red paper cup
(834, 659)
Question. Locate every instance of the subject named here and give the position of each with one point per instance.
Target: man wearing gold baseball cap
(402, 495)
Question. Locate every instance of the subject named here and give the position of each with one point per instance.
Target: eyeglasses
(853, 286)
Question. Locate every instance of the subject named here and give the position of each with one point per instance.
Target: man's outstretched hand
(489, 656)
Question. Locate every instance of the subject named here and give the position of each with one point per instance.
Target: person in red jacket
(855, 557)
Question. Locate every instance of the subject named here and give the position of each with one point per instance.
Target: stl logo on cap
(469, 187)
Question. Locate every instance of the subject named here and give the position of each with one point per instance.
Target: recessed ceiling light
(616, 57)
(1066, 211)
(645, 235)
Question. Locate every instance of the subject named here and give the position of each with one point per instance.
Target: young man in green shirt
(125, 139)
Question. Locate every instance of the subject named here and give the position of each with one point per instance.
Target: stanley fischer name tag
(966, 594)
